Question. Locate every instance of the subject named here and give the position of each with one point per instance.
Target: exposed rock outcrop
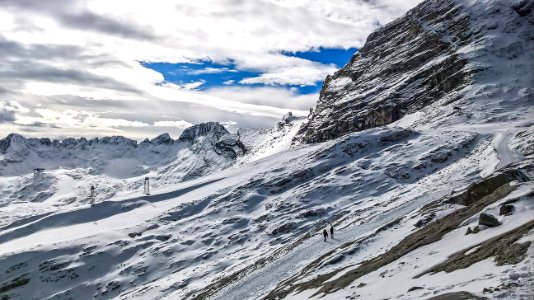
(488, 220)
(457, 296)
(164, 138)
(403, 67)
(506, 249)
(215, 135)
(486, 186)
(230, 147)
(506, 209)
(203, 129)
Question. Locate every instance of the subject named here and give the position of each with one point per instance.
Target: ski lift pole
(147, 186)
(92, 195)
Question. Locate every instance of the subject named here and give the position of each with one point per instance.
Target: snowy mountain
(419, 152)
(114, 165)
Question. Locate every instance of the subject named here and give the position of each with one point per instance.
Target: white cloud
(281, 69)
(210, 70)
(177, 124)
(8, 110)
(75, 119)
(283, 98)
(231, 126)
(92, 49)
(193, 85)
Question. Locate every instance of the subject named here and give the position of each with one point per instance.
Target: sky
(71, 68)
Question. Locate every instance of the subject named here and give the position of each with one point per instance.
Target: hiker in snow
(331, 231)
(325, 234)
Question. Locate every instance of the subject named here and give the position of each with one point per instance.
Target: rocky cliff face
(403, 67)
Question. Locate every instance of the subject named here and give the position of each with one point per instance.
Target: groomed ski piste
(250, 227)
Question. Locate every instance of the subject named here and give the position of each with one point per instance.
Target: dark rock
(476, 229)
(425, 220)
(203, 129)
(288, 118)
(478, 190)
(312, 213)
(413, 288)
(163, 238)
(469, 231)
(230, 148)
(440, 156)
(524, 7)
(162, 139)
(396, 135)
(134, 234)
(397, 173)
(14, 283)
(284, 228)
(506, 209)
(45, 141)
(457, 296)
(488, 220)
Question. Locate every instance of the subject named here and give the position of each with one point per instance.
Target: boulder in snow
(506, 210)
(488, 220)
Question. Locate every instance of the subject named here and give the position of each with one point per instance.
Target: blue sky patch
(336, 56)
(214, 75)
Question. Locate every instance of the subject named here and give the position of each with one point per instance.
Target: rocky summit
(213, 128)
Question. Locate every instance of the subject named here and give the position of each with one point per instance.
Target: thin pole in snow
(92, 197)
(147, 186)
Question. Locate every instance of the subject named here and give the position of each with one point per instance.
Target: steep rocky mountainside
(423, 58)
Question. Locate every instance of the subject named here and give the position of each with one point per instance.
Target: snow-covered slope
(401, 195)
(267, 142)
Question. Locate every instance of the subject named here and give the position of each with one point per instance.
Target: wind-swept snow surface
(439, 201)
